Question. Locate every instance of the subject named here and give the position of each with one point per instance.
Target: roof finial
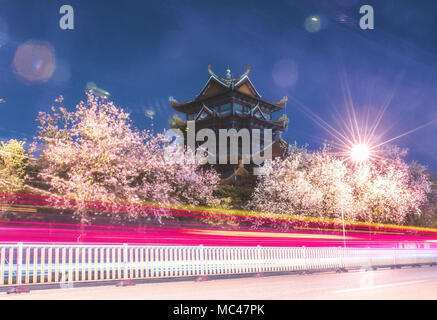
(228, 74)
(210, 70)
(247, 71)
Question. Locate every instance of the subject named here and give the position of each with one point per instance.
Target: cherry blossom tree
(94, 153)
(305, 184)
(319, 184)
(389, 190)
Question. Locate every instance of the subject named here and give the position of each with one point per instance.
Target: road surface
(407, 283)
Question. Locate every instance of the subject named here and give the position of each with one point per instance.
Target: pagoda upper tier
(222, 88)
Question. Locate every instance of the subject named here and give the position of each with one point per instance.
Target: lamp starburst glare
(357, 137)
(360, 152)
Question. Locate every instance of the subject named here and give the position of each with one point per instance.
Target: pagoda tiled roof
(217, 85)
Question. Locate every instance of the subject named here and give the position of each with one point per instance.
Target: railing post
(202, 260)
(19, 263)
(2, 264)
(27, 265)
(258, 252)
(125, 253)
(43, 263)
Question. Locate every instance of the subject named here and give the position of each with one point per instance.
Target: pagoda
(232, 102)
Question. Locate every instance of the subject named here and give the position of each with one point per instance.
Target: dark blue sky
(142, 52)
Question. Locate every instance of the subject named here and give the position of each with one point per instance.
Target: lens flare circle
(313, 23)
(34, 61)
(285, 72)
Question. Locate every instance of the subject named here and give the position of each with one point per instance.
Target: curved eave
(179, 106)
(280, 123)
(281, 104)
(275, 106)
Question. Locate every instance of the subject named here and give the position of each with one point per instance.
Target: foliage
(318, 184)
(428, 217)
(235, 197)
(14, 166)
(388, 189)
(94, 153)
(304, 184)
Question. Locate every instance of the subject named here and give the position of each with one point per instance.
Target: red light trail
(311, 233)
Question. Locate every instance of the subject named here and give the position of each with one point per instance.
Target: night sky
(142, 52)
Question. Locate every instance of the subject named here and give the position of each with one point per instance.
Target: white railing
(40, 264)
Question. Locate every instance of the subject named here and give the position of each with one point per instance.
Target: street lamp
(359, 153)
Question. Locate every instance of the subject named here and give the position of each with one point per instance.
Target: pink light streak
(46, 232)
